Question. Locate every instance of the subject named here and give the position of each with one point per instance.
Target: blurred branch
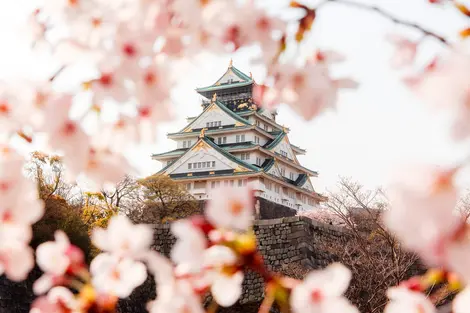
(394, 19)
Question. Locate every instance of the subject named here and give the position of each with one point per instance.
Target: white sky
(373, 129)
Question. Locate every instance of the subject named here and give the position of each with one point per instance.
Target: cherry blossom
(231, 210)
(115, 275)
(422, 211)
(104, 166)
(58, 299)
(444, 87)
(188, 251)
(55, 258)
(322, 291)
(225, 276)
(405, 51)
(403, 300)
(16, 260)
(309, 90)
(64, 133)
(175, 294)
(122, 238)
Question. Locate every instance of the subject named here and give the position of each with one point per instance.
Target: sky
(371, 132)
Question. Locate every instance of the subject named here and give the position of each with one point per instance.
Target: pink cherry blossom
(421, 214)
(444, 86)
(104, 166)
(224, 276)
(322, 291)
(57, 300)
(55, 258)
(117, 276)
(309, 90)
(64, 133)
(109, 84)
(231, 209)
(405, 51)
(403, 300)
(122, 238)
(188, 251)
(16, 260)
(174, 295)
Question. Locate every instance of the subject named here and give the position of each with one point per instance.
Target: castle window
(188, 186)
(184, 144)
(256, 139)
(283, 171)
(207, 124)
(232, 183)
(225, 183)
(198, 164)
(224, 140)
(291, 176)
(265, 127)
(240, 183)
(243, 138)
(208, 164)
(213, 163)
(203, 164)
(276, 188)
(189, 166)
(244, 182)
(219, 140)
(213, 184)
(237, 138)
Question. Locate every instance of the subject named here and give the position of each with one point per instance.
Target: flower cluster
(113, 273)
(19, 209)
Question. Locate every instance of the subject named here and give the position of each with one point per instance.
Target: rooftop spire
(231, 63)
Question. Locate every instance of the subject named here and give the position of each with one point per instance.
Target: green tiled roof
(210, 131)
(268, 164)
(175, 152)
(219, 87)
(246, 81)
(276, 140)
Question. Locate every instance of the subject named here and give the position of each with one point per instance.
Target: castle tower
(234, 142)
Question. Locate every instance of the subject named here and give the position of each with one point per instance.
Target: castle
(234, 142)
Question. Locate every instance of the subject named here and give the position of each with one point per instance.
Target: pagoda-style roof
(208, 141)
(232, 77)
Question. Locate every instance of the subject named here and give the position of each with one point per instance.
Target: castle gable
(206, 156)
(215, 115)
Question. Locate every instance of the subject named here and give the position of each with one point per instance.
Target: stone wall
(281, 241)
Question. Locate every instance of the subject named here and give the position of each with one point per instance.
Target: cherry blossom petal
(117, 276)
(227, 289)
(231, 210)
(403, 300)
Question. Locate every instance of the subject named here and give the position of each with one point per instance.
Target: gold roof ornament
(203, 133)
(214, 97)
(284, 129)
(251, 75)
(231, 63)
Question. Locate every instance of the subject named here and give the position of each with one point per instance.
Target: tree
(62, 203)
(164, 200)
(373, 254)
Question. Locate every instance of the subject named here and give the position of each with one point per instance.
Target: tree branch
(390, 17)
